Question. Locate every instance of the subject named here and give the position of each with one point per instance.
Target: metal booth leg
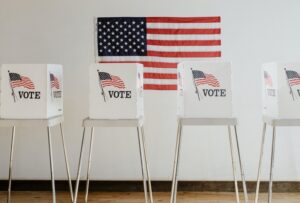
(146, 164)
(241, 166)
(11, 163)
(260, 162)
(51, 166)
(66, 161)
(176, 164)
(272, 165)
(233, 166)
(142, 164)
(79, 167)
(89, 166)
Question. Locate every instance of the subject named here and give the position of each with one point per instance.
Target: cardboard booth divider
(116, 91)
(281, 90)
(204, 90)
(31, 91)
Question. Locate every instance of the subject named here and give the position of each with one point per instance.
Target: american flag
(293, 77)
(159, 43)
(16, 80)
(107, 79)
(54, 81)
(268, 79)
(202, 78)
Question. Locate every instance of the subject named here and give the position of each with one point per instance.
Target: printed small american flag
(159, 43)
(16, 80)
(293, 77)
(202, 78)
(54, 81)
(268, 79)
(107, 79)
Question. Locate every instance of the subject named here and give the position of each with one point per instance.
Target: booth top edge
(205, 62)
(280, 62)
(28, 64)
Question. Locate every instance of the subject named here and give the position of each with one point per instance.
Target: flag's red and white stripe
(268, 81)
(115, 81)
(208, 80)
(24, 82)
(55, 83)
(294, 81)
(171, 40)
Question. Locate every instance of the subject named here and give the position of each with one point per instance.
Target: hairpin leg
(260, 161)
(176, 164)
(233, 166)
(89, 166)
(51, 165)
(142, 165)
(66, 161)
(146, 165)
(11, 163)
(272, 165)
(79, 167)
(241, 166)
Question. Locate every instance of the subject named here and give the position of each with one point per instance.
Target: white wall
(56, 31)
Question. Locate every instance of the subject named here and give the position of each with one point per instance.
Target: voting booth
(204, 99)
(115, 100)
(116, 91)
(31, 91)
(204, 89)
(281, 90)
(32, 96)
(281, 102)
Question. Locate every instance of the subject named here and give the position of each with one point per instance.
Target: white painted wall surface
(56, 31)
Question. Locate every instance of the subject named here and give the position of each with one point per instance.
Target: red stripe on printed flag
(268, 81)
(215, 19)
(208, 80)
(204, 54)
(159, 87)
(115, 81)
(183, 31)
(55, 83)
(147, 63)
(24, 82)
(160, 76)
(294, 81)
(184, 42)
